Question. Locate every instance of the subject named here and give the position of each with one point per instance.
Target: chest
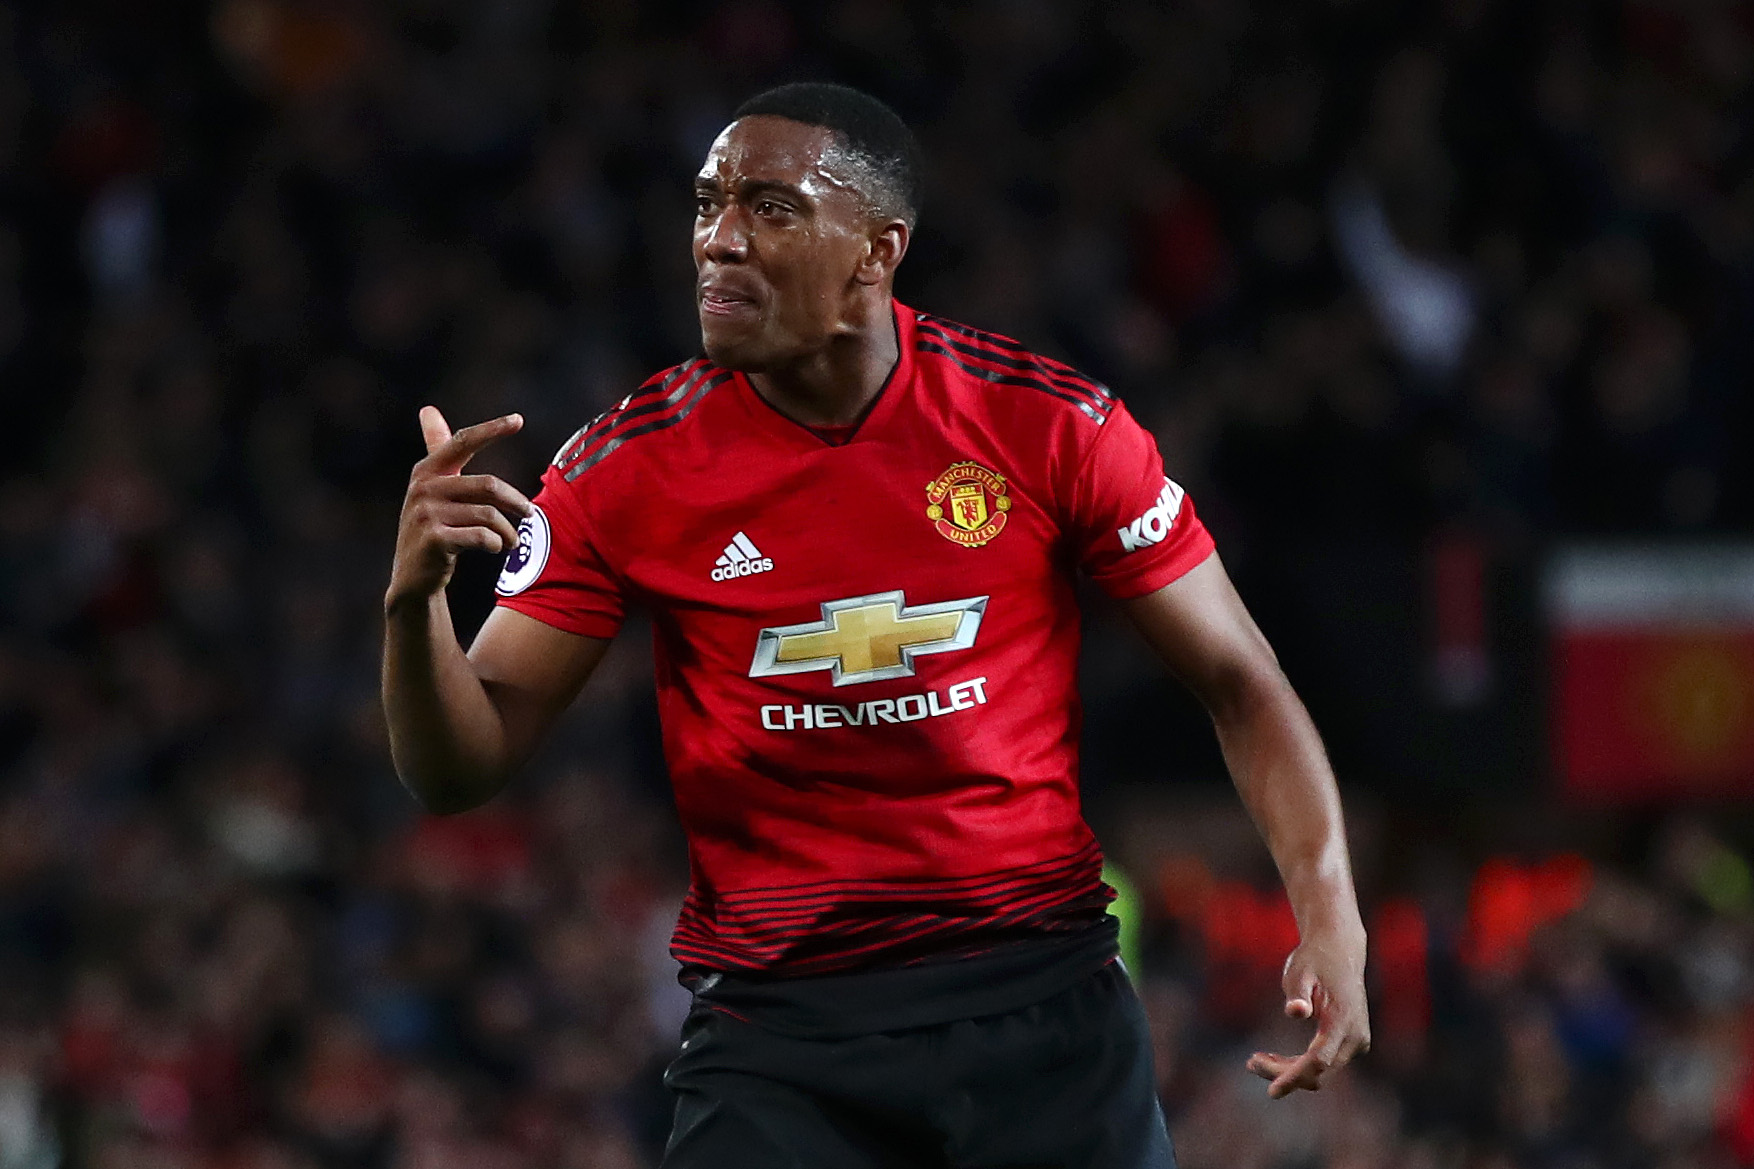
(744, 528)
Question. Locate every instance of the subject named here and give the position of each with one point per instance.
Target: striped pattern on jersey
(1001, 361)
(826, 926)
(663, 401)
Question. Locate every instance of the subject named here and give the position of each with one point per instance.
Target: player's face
(782, 242)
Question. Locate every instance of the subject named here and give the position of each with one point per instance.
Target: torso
(866, 652)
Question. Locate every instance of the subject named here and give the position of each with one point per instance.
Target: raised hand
(446, 511)
(1324, 980)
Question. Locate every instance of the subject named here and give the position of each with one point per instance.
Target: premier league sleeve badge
(526, 562)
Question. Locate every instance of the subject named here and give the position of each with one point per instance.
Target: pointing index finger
(466, 443)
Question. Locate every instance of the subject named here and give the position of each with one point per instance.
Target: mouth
(725, 302)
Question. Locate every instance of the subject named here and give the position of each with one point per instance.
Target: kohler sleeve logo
(1154, 525)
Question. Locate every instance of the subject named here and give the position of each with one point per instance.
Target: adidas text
(743, 568)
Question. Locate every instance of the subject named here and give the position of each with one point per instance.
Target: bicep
(1199, 627)
(531, 672)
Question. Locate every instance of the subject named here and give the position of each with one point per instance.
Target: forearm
(1202, 631)
(1282, 773)
(447, 738)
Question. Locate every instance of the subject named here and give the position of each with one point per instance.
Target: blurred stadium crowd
(1374, 272)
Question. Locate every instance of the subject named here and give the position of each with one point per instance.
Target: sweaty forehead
(770, 149)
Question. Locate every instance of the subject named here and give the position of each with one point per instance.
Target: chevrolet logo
(868, 639)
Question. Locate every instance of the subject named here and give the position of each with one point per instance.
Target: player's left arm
(1199, 627)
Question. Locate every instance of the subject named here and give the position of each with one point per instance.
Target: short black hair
(872, 134)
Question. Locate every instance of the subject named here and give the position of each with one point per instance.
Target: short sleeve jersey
(866, 650)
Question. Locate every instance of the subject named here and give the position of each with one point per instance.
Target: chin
(743, 353)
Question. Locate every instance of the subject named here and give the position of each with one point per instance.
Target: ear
(888, 244)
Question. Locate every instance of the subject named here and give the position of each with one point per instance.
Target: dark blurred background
(1443, 312)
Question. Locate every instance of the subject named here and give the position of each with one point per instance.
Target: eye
(703, 205)
(768, 208)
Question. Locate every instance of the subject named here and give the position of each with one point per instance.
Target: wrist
(1346, 933)
(1339, 937)
(1332, 916)
(402, 604)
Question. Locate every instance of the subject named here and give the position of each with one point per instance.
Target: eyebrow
(753, 187)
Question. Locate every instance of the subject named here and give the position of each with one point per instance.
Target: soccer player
(855, 527)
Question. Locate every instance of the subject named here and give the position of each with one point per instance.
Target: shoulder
(665, 401)
(992, 365)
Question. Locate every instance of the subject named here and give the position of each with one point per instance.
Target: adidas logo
(740, 558)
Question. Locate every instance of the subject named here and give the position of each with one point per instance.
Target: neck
(835, 385)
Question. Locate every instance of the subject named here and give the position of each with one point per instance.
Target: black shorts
(1065, 1083)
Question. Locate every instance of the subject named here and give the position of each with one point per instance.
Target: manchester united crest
(968, 504)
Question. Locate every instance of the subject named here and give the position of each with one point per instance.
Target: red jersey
(867, 649)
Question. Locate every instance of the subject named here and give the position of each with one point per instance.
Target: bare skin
(1200, 628)
(796, 266)
(795, 270)
(460, 725)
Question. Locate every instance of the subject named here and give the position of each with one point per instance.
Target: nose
(725, 238)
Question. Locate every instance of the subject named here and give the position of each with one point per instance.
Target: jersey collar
(895, 388)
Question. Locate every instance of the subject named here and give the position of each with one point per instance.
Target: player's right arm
(461, 724)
